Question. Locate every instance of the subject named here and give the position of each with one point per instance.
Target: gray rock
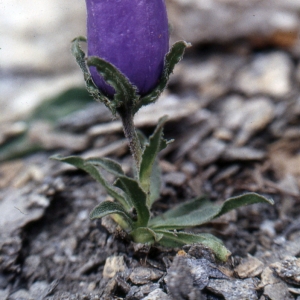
(234, 289)
(210, 20)
(157, 294)
(142, 275)
(208, 151)
(266, 74)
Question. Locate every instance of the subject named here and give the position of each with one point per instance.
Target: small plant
(128, 66)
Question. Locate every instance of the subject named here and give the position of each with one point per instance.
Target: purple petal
(132, 35)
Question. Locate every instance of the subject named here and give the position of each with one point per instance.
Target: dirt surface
(234, 114)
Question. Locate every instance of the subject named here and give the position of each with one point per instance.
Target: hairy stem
(131, 135)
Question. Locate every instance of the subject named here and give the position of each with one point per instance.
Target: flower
(133, 36)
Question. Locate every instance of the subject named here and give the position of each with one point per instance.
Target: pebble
(266, 74)
(208, 151)
(234, 289)
(288, 270)
(113, 265)
(157, 294)
(141, 275)
(249, 267)
(175, 178)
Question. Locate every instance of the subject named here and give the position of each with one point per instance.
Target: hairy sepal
(125, 92)
(93, 90)
(172, 58)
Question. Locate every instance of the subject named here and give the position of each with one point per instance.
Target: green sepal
(145, 235)
(178, 239)
(242, 200)
(94, 172)
(172, 58)
(107, 208)
(149, 155)
(126, 93)
(90, 85)
(107, 164)
(137, 197)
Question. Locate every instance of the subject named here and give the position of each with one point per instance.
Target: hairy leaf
(91, 87)
(107, 164)
(137, 197)
(150, 154)
(194, 218)
(177, 239)
(107, 208)
(246, 199)
(80, 163)
(183, 209)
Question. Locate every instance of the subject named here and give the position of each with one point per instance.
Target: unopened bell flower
(133, 36)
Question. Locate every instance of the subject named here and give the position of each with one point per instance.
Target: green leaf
(145, 235)
(137, 197)
(156, 143)
(107, 208)
(155, 183)
(177, 239)
(188, 215)
(90, 85)
(94, 172)
(242, 200)
(172, 58)
(107, 164)
(194, 218)
(126, 92)
(184, 208)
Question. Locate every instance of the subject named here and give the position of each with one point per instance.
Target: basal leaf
(149, 156)
(107, 208)
(145, 235)
(246, 199)
(194, 218)
(184, 209)
(155, 183)
(177, 239)
(137, 197)
(172, 58)
(107, 164)
(81, 164)
(125, 91)
(91, 87)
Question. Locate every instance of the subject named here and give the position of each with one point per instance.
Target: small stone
(20, 295)
(234, 289)
(242, 153)
(157, 294)
(249, 267)
(175, 178)
(208, 152)
(38, 289)
(288, 270)
(4, 294)
(143, 275)
(278, 291)
(113, 265)
(266, 74)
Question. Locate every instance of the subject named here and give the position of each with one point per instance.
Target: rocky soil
(234, 112)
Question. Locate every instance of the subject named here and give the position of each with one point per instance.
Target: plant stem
(131, 135)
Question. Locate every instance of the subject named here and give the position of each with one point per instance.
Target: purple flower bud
(132, 35)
